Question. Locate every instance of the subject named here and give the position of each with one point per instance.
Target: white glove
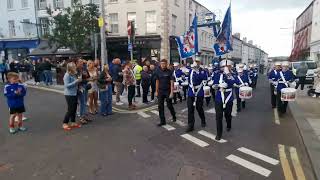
(293, 84)
(223, 85)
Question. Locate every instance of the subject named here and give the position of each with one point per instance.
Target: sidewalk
(306, 112)
(123, 98)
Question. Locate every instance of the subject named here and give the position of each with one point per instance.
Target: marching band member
(273, 78)
(177, 73)
(185, 72)
(285, 79)
(241, 80)
(224, 96)
(216, 72)
(253, 73)
(197, 76)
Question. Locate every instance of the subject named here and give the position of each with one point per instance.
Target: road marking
(276, 116)
(211, 136)
(211, 111)
(195, 140)
(155, 112)
(184, 110)
(249, 165)
(143, 114)
(296, 164)
(181, 123)
(259, 156)
(285, 163)
(168, 127)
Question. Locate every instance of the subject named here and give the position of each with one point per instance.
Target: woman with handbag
(105, 89)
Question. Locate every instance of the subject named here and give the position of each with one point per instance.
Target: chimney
(250, 42)
(245, 39)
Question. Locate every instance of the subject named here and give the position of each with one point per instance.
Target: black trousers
(161, 99)
(72, 102)
(131, 93)
(185, 89)
(145, 91)
(175, 96)
(219, 116)
(4, 76)
(302, 81)
(153, 90)
(273, 96)
(240, 104)
(281, 105)
(138, 84)
(199, 107)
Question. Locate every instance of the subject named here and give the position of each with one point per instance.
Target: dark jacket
(46, 66)
(145, 79)
(116, 73)
(15, 100)
(102, 81)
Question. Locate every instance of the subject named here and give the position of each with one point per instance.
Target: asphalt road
(129, 146)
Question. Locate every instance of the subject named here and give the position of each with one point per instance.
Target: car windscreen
(312, 65)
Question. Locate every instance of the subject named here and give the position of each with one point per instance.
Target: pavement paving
(129, 145)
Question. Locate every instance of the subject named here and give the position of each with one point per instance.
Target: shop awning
(18, 44)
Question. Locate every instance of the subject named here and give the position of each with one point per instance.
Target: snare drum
(175, 87)
(207, 92)
(245, 92)
(288, 94)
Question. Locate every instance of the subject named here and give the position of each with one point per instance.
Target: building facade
(315, 34)
(18, 31)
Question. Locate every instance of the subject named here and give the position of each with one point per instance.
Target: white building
(18, 32)
(315, 34)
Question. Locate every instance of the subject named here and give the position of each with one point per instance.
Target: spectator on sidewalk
(153, 81)
(93, 92)
(117, 77)
(70, 91)
(145, 83)
(105, 87)
(15, 92)
(4, 72)
(47, 71)
(301, 75)
(36, 72)
(14, 66)
(137, 74)
(130, 83)
(23, 71)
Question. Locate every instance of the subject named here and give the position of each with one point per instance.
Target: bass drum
(245, 92)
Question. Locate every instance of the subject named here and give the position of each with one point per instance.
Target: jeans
(131, 93)
(82, 98)
(48, 77)
(106, 100)
(72, 109)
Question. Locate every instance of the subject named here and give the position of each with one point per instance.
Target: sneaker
(12, 130)
(119, 103)
(23, 129)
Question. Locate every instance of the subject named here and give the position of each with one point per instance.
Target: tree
(72, 27)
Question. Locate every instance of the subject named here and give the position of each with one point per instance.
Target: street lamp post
(104, 52)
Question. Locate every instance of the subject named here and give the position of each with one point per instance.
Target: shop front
(16, 49)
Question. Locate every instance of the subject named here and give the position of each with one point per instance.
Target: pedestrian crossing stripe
(211, 136)
(155, 112)
(143, 114)
(259, 156)
(211, 111)
(168, 127)
(195, 140)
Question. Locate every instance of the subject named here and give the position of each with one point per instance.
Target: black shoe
(138, 95)
(189, 130)
(203, 125)
(228, 129)
(218, 138)
(161, 124)
(174, 119)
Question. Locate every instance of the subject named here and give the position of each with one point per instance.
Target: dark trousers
(161, 99)
(4, 76)
(36, 76)
(199, 107)
(302, 81)
(72, 102)
(131, 93)
(138, 83)
(240, 104)
(281, 105)
(185, 89)
(145, 91)
(273, 96)
(153, 90)
(219, 116)
(175, 96)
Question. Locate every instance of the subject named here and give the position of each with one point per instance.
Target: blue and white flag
(223, 43)
(188, 43)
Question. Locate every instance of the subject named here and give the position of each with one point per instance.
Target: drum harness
(195, 87)
(283, 79)
(222, 90)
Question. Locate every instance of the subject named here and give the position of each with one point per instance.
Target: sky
(269, 23)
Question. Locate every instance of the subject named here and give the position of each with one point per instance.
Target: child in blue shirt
(15, 92)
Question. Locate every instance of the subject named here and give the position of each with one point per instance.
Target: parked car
(312, 65)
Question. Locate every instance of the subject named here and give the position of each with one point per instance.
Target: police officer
(224, 96)
(273, 78)
(285, 80)
(164, 91)
(241, 80)
(197, 77)
(177, 74)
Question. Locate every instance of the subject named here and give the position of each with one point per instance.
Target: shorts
(17, 110)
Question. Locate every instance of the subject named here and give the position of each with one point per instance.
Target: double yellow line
(295, 162)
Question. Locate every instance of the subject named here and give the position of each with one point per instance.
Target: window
(24, 3)
(10, 4)
(42, 4)
(26, 25)
(132, 16)
(58, 3)
(174, 24)
(12, 28)
(151, 22)
(114, 23)
(44, 22)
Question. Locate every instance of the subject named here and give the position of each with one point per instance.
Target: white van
(312, 65)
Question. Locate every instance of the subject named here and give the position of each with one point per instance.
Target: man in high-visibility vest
(137, 74)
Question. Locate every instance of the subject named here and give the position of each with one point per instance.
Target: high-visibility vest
(137, 72)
